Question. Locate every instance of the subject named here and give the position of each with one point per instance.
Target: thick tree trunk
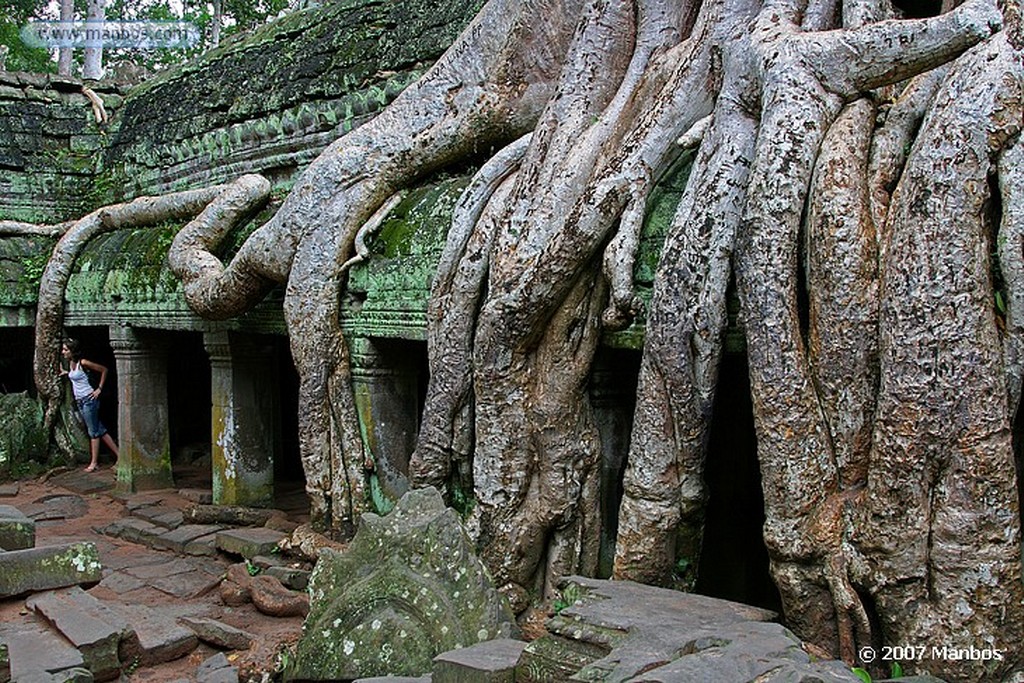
(940, 527)
(92, 57)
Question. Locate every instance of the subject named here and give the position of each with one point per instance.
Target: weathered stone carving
(408, 588)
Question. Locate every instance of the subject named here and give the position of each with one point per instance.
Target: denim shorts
(90, 409)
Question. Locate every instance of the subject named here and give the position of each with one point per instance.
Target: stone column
(143, 434)
(245, 418)
(386, 388)
(613, 398)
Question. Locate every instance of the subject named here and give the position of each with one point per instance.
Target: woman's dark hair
(75, 347)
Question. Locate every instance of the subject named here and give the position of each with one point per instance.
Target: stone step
(17, 531)
(493, 661)
(45, 568)
(89, 624)
(36, 651)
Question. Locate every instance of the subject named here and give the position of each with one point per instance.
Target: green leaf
(896, 670)
(861, 674)
(1000, 303)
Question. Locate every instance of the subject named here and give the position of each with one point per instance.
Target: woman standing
(87, 398)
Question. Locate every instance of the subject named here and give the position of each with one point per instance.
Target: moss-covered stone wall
(268, 103)
(51, 145)
(272, 102)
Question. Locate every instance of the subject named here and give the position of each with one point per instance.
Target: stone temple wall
(51, 145)
(267, 103)
(272, 102)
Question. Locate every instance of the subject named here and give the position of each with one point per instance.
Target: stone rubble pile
(68, 634)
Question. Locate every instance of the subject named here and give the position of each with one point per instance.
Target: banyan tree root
(49, 332)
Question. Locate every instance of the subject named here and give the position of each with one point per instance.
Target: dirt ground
(102, 508)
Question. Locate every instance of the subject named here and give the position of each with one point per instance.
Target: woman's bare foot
(92, 468)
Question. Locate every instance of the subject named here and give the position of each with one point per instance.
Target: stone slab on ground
(122, 583)
(158, 637)
(134, 530)
(190, 584)
(160, 515)
(676, 637)
(9, 490)
(173, 565)
(57, 507)
(34, 648)
(179, 538)
(88, 624)
(219, 634)
(202, 546)
(17, 531)
(217, 669)
(493, 661)
(249, 542)
(137, 501)
(45, 568)
(84, 482)
(394, 679)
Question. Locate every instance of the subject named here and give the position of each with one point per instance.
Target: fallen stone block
(143, 500)
(46, 568)
(34, 648)
(76, 675)
(5, 664)
(88, 624)
(271, 597)
(493, 661)
(265, 562)
(192, 584)
(134, 530)
(179, 538)
(249, 542)
(158, 637)
(17, 531)
(217, 669)
(9, 490)
(602, 636)
(202, 546)
(218, 634)
(232, 515)
(409, 587)
(56, 507)
(394, 679)
(160, 515)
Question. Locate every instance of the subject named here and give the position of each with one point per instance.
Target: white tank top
(79, 381)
